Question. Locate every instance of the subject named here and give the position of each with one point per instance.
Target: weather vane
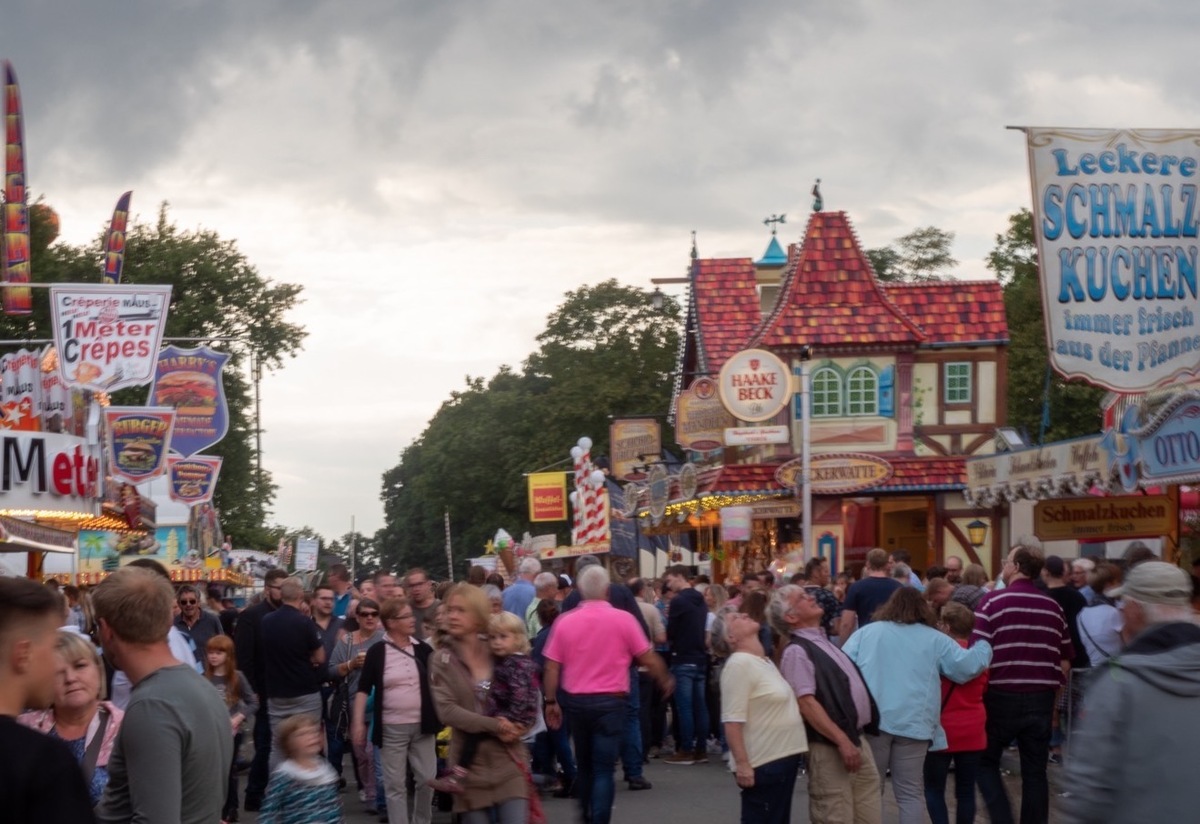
(818, 202)
(695, 252)
(773, 221)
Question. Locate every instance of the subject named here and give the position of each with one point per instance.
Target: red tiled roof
(909, 474)
(830, 296)
(725, 297)
(958, 311)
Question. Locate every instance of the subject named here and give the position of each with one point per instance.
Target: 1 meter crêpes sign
(108, 336)
(1117, 223)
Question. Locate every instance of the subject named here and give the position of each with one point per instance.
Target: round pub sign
(755, 385)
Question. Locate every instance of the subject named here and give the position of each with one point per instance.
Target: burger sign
(755, 385)
(189, 381)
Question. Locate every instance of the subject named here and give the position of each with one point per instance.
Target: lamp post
(805, 443)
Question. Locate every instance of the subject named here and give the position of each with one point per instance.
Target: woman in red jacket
(964, 720)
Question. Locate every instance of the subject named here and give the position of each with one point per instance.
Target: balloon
(596, 478)
(576, 452)
(585, 443)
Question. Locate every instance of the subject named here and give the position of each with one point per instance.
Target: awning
(22, 536)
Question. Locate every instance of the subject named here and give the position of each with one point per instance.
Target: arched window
(862, 391)
(826, 393)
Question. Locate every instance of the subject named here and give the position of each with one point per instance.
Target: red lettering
(61, 474)
(755, 393)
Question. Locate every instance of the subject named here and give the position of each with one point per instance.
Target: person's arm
(154, 734)
(340, 662)
(813, 713)
(961, 664)
(243, 648)
(358, 719)
(736, 739)
(847, 624)
(317, 650)
(653, 663)
(550, 683)
(1098, 749)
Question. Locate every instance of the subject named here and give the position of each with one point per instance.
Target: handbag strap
(92, 754)
(949, 692)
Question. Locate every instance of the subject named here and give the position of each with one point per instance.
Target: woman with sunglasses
(344, 669)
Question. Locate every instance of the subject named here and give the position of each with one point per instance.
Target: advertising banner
(108, 336)
(46, 471)
(1117, 220)
(632, 443)
(1101, 519)
(755, 435)
(700, 417)
(189, 380)
(836, 473)
(755, 385)
(16, 262)
(21, 390)
(55, 406)
(735, 523)
(193, 480)
(138, 439)
(307, 550)
(114, 242)
(547, 496)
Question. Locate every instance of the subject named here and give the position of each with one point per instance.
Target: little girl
(304, 788)
(514, 693)
(220, 668)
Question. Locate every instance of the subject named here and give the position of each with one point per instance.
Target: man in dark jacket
(843, 782)
(247, 642)
(1139, 721)
(687, 622)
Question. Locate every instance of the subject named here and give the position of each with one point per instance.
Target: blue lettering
(1070, 286)
(1149, 214)
(1120, 289)
(1124, 211)
(1076, 228)
(1126, 160)
(1108, 162)
(1064, 166)
(1052, 216)
(1101, 213)
(1097, 284)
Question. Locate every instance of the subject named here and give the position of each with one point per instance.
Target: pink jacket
(43, 721)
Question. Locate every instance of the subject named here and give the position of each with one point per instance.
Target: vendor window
(862, 391)
(958, 383)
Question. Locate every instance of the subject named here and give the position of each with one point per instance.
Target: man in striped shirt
(1031, 651)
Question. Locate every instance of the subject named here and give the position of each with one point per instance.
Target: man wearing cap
(1139, 728)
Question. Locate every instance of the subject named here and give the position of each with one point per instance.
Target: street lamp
(657, 298)
(977, 533)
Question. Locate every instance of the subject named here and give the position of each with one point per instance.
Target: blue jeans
(597, 723)
(769, 801)
(692, 707)
(937, 767)
(1025, 717)
(631, 745)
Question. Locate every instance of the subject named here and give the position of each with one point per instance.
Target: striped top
(1029, 638)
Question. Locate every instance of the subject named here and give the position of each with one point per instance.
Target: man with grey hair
(589, 654)
(522, 592)
(545, 588)
(837, 708)
(293, 656)
(1081, 571)
(902, 572)
(171, 758)
(1139, 723)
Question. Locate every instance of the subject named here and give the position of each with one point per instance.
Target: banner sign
(16, 260)
(193, 480)
(547, 496)
(837, 473)
(307, 550)
(21, 390)
(138, 439)
(114, 242)
(46, 471)
(633, 442)
(754, 435)
(189, 380)
(700, 417)
(1100, 519)
(1117, 223)
(1064, 460)
(1166, 450)
(755, 385)
(55, 404)
(735, 523)
(108, 336)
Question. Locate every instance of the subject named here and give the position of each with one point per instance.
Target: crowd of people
(138, 700)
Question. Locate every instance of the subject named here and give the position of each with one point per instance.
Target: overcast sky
(437, 174)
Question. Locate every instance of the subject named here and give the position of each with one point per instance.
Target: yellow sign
(548, 496)
(837, 473)
(1098, 519)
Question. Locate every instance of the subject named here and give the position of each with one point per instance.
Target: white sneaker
(362, 796)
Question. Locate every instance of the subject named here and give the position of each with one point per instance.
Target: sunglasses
(187, 602)
(368, 614)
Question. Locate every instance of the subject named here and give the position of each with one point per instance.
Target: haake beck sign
(755, 385)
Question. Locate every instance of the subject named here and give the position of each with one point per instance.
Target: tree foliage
(216, 294)
(1073, 406)
(921, 255)
(604, 352)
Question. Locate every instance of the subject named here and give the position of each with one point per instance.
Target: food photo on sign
(189, 381)
(192, 480)
(137, 439)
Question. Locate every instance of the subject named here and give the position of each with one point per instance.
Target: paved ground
(703, 793)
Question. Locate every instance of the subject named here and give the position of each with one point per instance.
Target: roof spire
(773, 221)
(695, 253)
(818, 201)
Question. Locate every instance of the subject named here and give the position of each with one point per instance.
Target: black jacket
(834, 695)
(247, 644)
(372, 678)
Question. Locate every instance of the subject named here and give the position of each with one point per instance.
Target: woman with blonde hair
(461, 676)
(80, 715)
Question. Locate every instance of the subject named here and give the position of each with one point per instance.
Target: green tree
(921, 255)
(1073, 406)
(216, 294)
(605, 352)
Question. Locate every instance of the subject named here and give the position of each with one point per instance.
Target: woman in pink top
(964, 720)
(405, 721)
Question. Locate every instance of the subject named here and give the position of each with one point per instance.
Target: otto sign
(755, 385)
(108, 336)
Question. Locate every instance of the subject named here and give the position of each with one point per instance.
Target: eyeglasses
(407, 617)
(188, 602)
(371, 614)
